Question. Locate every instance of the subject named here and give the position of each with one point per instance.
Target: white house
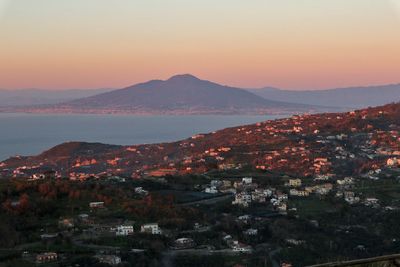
(124, 230)
(247, 180)
(346, 181)
(251, 232)
(151, 228)
(140, 190)
(239, 247)
(244, 218)
(299, 193)
(211, 190)
(96, 205)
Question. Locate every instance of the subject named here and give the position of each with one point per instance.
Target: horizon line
(202, 79)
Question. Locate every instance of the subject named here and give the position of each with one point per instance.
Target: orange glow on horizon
(307, 46)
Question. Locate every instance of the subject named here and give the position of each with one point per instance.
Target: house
(46, 257)
(294, 182)
(346, 181)
(251, 232)
(108, 259)
(321, 163)
(184, 243)
(299, 193)
(247, 180)
(224, 149)
(242, 199)
(239, 247)
(237, 184)
(83, 217)
(392, 162)
(371, 201)
(200, 228)
(281, 196)
(15, 203)
(66, 223)
(282, 207)
(303, 193)
(322, 177)
(124, 230)
(226, 166)
(350, 197)
(38, 176)
(211, 190)
(96, 205)
(226, 183)
(244, 218)
(215, 183)
(162, 172)
(151, 228)
(323, 189)
(295, 242)
(117, 179)
(227, 239)
(141, 191)
(258, 197)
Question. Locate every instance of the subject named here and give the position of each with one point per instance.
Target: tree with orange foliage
(23, 203)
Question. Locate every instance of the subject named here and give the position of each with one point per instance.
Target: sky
(290, 44)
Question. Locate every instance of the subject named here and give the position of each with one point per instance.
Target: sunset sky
(293, 44)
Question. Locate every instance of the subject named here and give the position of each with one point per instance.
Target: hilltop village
(290, 192)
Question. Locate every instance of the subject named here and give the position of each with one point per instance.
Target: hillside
(341, 143)
(353, 97)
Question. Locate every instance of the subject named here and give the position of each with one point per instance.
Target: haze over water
(27, 134)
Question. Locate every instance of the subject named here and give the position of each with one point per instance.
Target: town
(291, 192)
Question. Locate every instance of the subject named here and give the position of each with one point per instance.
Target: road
(208, 201)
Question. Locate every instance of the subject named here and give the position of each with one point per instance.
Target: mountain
(29, 97)
(345, 144)
(352, 97)
(186, 94)
(181, 94)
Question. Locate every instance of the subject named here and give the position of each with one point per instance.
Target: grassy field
(311, 206)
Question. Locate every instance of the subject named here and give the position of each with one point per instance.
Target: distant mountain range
(181, 94)
(352, 97)
(186, 94)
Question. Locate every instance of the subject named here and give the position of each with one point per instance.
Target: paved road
(207, 201)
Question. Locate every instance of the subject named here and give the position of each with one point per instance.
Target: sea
(31, 134)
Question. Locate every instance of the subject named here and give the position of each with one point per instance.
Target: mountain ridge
(182, 94)
(186, 94)
(345, 97)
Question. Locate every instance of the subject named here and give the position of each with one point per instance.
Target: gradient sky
(294, 44)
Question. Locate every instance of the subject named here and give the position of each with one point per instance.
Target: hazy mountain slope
(28, 97)
(182, 94)
(353, 97)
